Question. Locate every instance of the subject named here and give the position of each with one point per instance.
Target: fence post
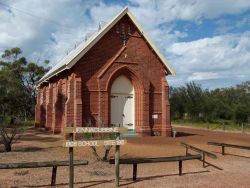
(71, 163)
(203, 159)
(180, 167)
(223, 150)
(134, 171)
(53, 177)
(117, 157)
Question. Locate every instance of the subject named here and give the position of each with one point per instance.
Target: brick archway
(139, 91)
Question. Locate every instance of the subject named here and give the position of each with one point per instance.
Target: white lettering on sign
(95, 129)
(71, 144)
(94, 143)
(114, 142)
(87, 143)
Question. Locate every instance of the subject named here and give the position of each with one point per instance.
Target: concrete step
(130, 133)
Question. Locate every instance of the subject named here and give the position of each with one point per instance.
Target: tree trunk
(25, 116)
(95, 153)
(7, 147)
(107, 150)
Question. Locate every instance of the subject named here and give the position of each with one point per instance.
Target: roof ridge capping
(71, 59)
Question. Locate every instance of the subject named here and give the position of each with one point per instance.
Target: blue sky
(205, 41)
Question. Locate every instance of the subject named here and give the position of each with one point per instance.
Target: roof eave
(98, 36)
(89, 45)
(55, 73)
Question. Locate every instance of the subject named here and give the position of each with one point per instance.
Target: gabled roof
(71, 59)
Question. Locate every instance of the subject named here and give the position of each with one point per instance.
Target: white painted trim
(74, 56)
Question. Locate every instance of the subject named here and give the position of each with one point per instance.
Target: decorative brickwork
(42, 122)
(82, 93)
(69, 105)
(37, 109)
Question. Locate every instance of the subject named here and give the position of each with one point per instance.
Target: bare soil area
(232, 170)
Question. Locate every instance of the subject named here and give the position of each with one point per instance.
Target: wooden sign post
(71, 163)
(117, 158)
(83, 143)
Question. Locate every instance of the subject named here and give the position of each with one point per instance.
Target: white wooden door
(122, 103)
(128, 111)
(116, 110)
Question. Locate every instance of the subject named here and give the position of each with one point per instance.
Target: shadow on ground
(123, 182)
(235, 155)
(158, 176)
(92, 183)
(183, 134)
(39, 138)
(29, 149)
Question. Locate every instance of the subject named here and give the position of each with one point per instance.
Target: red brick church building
(117, 76)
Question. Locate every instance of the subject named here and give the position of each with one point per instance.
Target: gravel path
(40, 146)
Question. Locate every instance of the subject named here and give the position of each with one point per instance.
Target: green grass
(212, 126)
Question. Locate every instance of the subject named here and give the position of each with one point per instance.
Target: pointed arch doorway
(122, 103)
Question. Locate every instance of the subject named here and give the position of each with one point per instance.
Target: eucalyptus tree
(17, 93)
(17, 84)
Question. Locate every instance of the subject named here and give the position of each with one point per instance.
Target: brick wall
(82, 93)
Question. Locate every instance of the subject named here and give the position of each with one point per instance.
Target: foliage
(197, 104)
(17, 84)
(17, 94)
(216, 125)
(10, 132)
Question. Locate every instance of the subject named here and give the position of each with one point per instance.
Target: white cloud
(56, 26)
(224, 56)
(43, 27)
(17, 28)
(227, 25)
(194, 10)
(197, 76)
(103, 12)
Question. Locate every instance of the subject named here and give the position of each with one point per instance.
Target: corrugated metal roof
(69, 60)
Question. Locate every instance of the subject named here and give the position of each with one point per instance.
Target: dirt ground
(232, 170)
